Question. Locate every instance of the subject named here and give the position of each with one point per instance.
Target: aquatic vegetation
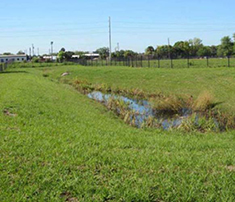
(173, 115)
(204, 102)
(160, 111)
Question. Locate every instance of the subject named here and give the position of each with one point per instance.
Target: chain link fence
(157, 62)
(3, 67)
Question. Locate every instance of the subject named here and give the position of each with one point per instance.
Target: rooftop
(8, 56)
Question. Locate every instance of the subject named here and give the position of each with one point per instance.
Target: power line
(52, 35)
(173, 23)
(119, 29)
(110, 38)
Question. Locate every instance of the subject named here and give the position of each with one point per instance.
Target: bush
(35, 60)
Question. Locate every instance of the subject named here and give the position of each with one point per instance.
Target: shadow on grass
(14, 72)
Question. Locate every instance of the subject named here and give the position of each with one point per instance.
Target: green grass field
(219, 82)
(58, 145)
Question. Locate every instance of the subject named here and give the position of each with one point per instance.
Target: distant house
(48, 57)
(87, 56)
(75, 56)
(92, 55)
(12, 58)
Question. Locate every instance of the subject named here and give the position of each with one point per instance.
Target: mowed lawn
(57, 145)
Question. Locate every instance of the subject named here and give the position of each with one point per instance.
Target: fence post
(158, 59)
(228, 61)
(188, 61)
(148, 62)
(171, 63)
(207, 61)
(141, 61)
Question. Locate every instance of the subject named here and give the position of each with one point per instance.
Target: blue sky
(83, 25)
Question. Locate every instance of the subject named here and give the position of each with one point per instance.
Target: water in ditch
(142, 110)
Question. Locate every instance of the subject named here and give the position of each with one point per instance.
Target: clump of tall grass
(195, 123)
(205, 101)
(168, 105)
(83, 86)
(102, 87)
(121, 109)
(226, 121)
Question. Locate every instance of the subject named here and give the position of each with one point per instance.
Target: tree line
(181, 49)
(194, 48)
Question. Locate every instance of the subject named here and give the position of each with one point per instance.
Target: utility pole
(118, 46)
(30, 52)
(32, 49)
(110, 38)
(169, 52)
(38, 51)
(51, 50)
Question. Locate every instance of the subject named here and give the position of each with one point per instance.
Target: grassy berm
(58, 145)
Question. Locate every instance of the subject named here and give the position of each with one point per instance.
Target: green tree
(20, 53)
(163, 51)
(194, 45)
(118, 54)
(181, 49)
(213, 50)
(61, 56)
(129, 53)
(234, 43)
(104, 52)
(7, 53)
(226, 47)
(68, 55)
(204, 51)
(149, 50)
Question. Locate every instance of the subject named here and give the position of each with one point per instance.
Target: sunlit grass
(60, 145)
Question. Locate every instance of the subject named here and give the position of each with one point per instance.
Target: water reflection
(142, 110)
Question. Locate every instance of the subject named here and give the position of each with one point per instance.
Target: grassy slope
(220, 82)
(62, 142)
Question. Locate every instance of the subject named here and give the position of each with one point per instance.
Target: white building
(48, 57)
(94, 55)
(87, 55)
(12, 58)
(75, 56)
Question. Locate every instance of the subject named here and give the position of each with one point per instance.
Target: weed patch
(168, 112)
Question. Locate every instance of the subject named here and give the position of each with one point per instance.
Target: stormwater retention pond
(141, 113)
